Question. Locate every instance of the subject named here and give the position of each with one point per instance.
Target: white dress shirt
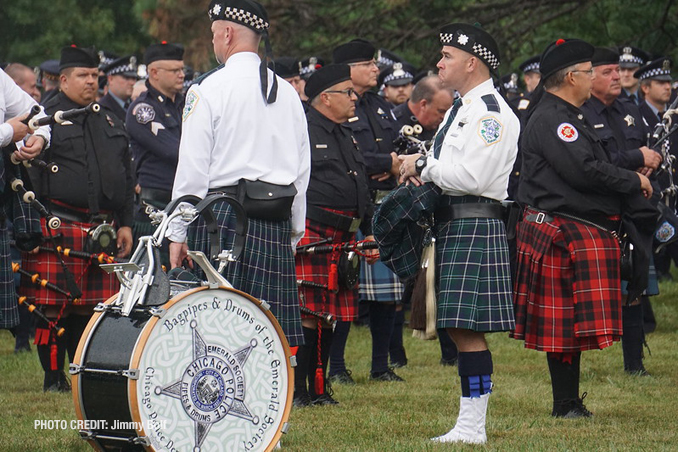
(479, 149)
(229, 133)
(15, 102)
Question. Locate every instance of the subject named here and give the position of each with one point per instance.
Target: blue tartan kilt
(473, 275)
(9, 307)
(652, 281)
(265, 269)
(378, 282)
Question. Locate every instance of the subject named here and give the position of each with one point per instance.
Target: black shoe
(302, 400)
(448, 362)
(571, 409)
(324, 399)
(56, 382)
(343, 378)
(22, 348)
(398, 364)
(638, 372)
(388, 375)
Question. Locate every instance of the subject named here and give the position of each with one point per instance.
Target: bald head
(25, 78)
(429, 101)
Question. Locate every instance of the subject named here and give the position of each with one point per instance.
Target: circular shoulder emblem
(144, 113)
(567, 132)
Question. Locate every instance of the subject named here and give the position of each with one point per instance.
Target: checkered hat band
(653, 73)
(446, 38)
(391, 77)
(245, 17)
(121, 69)
(386, 61)
(307, 70)
(486, 55)
(531, 67)
(631, 59)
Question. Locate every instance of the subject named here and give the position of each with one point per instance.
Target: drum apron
(209, 370)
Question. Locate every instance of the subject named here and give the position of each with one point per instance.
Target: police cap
(632, 57)
(246, 12)
(659, 69)
(530, 65)
(126, 66)
(472, 39)
(398, 74)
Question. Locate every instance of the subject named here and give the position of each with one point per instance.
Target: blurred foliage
(31, 31)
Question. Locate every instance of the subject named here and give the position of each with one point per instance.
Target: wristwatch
(420, 164)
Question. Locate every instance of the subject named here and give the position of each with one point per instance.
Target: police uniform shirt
(565, 167)
(405, 117)
(92, 153)
(375, 129)
(338, 179)
(154, 126)
(479, 148)
(115, 104)
(220, 144)
(620, 128)
(15, 102)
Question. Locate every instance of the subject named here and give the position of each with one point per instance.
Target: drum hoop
(83, 347)
(133, 401)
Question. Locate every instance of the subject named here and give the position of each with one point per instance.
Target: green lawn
(631, 413)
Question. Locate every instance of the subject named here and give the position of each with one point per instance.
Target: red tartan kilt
(95, 284)
(315, 268)
(567, 293)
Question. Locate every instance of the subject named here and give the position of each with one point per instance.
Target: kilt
(473, 274)
(378, 282)
(567, 291)
(9, 308)
(96, 285)
(316, 268)
(265, 269)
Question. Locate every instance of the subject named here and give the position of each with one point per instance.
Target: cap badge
(666, 65)
(216, 10)
(462, 39)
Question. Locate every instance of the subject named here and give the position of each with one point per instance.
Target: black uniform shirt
(621, 130)
(375, 129)
(109, 101)
(405, 117)
(93, 157)
(338, 179)
(565, 167)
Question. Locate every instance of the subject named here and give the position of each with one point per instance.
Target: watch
(420, 164)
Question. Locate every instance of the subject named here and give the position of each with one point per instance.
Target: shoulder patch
(144, 113)
(491, 103)
(202, 78)
(567, 132)
(189, 106)
(490, 130)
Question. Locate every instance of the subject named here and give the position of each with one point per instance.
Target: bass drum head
(214, 375)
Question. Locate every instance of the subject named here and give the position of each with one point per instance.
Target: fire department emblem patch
(567, 132)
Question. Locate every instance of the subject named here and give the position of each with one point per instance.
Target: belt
(469, 210)
(72, 214)
(156, 197)
(600, 222)
(539, 218)
(332, 219)
(230, 190)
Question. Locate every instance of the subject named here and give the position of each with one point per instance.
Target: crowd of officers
(584, 165)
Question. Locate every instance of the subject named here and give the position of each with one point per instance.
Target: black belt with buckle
(539, 218)
(332, 219)
(469, 210)
(73, 215)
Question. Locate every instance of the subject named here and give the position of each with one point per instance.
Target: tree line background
(32, 31)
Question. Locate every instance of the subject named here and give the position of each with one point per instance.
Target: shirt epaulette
(491, 102)
(202, 78)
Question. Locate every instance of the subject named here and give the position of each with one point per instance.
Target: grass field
(631, 413)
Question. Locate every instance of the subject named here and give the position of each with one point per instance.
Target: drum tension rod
(132, 374)
(89, 435)
(111, 308)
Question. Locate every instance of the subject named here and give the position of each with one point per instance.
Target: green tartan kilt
(473, 275)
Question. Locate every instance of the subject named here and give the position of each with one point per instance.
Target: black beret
(472, 39)
(659, 69)
(287, 67)
(530, 65)
(73, 56)
(630, 57)
(604, 55)
(326, 77)
(398, 74)
(310, 65)
(163, 51)
(563, 53)
(245, 12)
(126, 66)
(353, 52)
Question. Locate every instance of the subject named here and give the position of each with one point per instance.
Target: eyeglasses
(589, 72)
(365, 63)
(349, 92)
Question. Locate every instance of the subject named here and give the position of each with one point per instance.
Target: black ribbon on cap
(271, 97)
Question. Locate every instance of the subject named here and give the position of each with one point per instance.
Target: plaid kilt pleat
(316, 267)
(265, 269)
(96, 285)
(474, 275)
(567, 291)
(378, 282)
(9, 308)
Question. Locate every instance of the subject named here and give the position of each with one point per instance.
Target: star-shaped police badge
(216, 10)
(630, 120)
(462, 39)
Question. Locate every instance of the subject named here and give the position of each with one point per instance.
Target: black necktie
(440, 136)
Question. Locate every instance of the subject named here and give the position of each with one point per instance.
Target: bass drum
(209, 370)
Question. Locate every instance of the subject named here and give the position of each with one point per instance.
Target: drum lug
(132, 374)
(157, 312)
(141, 440)
(265, 305)
(75, 369)
(293, 361)
(100, 307)
(285, 427)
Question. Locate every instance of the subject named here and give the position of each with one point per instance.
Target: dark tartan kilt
(265, 269)
(378, 282)
(9, 308)
(96, 285)
(316, 267)
(567, 291)
(473, 275)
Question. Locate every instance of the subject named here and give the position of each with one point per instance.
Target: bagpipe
(408, 143)
(658, 141)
